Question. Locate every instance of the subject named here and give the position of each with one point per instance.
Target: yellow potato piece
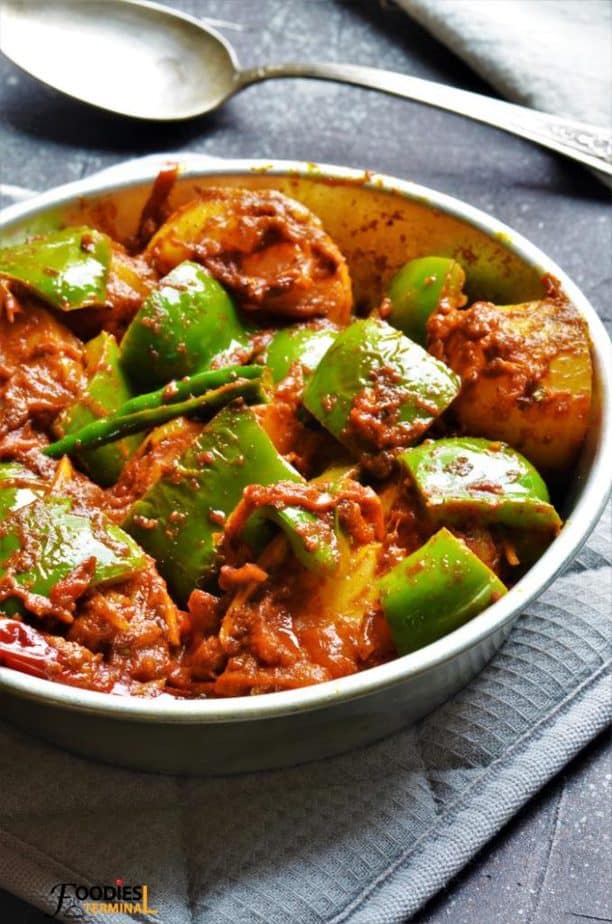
(271, 252)
(353, 589)
(526, 373)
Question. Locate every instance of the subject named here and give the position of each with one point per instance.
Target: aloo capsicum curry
(219, 477)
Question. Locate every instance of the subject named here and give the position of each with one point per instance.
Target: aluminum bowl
(378, 222)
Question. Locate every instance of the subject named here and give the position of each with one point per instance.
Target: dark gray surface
(552, 864)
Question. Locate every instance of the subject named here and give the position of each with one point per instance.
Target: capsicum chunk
(419, 288)
(183, 325)
(44, 542)
(18, 487)
(435, 590)
(68, 269)
(107, 389)
(302, 346)
(312, 538)
(375, 389)
(180, 519)
(463, 478)
(315, 515)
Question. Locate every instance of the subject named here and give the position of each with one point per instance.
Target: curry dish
(219, 476)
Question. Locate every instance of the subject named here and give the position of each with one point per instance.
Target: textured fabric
(365, 838)
(532, 51)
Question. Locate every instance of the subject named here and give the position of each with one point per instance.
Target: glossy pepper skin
(351, 590)
(435, 590)
(179, 521)
(194, 385)
(107, 390)
(18, 487)
(462, 478)
(375, 389)
(183, 325)
(200, 396)
(56, 542)
(303, 345)
(419, 288)
(318, 547)
(68, 269)
(312, 543)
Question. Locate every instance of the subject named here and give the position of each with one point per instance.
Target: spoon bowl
(135, 59)
(143, 60)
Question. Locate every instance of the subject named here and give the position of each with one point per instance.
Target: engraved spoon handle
(589, 144)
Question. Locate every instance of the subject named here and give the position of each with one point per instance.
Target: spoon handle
(589, 144)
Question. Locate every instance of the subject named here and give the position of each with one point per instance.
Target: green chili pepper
(67, 269)
(374, 389)
(194, 385)
(179, 521)
(301, 344)
(18, 487)
(418, 289)
(43, 542)
(184, 324)
(107, 391)
(462, 478)
(199, 395)
(435, 590)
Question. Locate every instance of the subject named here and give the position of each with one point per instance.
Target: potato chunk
(270, 251)
(526, 373)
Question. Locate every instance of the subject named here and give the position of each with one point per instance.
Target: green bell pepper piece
(183, 325)
(303, 344)
(67, 269)
(314, 543)
(311, 543)
(200, 396)
(107, 391)
(18, 487)
(179, 520)
(56, 541)
(419, 288)
(435, 590)
(375, 389)
(467, 478)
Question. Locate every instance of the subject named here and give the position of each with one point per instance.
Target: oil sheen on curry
(219, 477)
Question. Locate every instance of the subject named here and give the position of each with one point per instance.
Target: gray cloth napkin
(554, 55)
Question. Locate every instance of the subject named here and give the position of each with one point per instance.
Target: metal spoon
(144, 60)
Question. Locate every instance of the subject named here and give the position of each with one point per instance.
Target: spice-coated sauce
(263, 617)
